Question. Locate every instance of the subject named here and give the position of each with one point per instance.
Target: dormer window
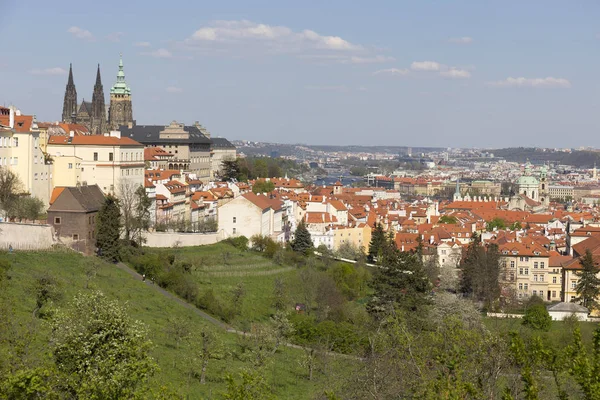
(505, 252)
(515, 252)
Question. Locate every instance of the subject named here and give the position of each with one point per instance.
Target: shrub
(239, 242)
(537, 317)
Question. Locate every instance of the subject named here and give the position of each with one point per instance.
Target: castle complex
(93, 115)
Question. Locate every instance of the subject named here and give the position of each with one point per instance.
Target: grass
(221, 267)
(285, 374)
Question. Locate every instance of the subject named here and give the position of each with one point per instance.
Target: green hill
(70, 273)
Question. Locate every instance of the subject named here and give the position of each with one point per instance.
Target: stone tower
(70, 103)
(544, 195)
(120, 112)
(98, 124)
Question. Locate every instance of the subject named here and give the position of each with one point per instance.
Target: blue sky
(415, 73)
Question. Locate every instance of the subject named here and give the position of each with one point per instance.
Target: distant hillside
(537, 156)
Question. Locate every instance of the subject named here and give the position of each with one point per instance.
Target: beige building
(21, 152)
(189, 146)
(251, 214)
(359, 236)
(527, 269)
(105, 160)
(221, 150)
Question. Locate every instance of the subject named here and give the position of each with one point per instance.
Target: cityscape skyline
(443, 75)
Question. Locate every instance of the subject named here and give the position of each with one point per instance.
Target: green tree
(496, 223)
(448, 219)
(588, 287)
(10, 187)
(142, 217)
(261, 169)
(263, 186)
(98, 351)
(211, 348)
(516, 226)
(400, 284)
(251, 386)
(302, 242)
(108, 229)
(378, 240)
(537, 317)
(230, 170)
(480, 272)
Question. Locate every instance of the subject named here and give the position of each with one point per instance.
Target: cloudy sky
(440, 73)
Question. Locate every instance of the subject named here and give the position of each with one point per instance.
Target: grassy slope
(147, 305)
(221, 267)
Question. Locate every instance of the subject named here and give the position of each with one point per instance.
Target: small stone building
(72, 214)
(560, 311)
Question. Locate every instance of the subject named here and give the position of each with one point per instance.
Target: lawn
(221, 267)
(70, 270)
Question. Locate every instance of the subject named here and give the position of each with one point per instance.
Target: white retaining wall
(25, 236)
(171, 239)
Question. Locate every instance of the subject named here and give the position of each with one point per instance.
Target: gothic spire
(98, 80)
(70, 82)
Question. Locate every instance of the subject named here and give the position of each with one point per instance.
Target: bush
(239, 242)
(537, 317)
(211, 303)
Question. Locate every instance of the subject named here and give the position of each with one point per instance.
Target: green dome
(120, 87)
(527, 181)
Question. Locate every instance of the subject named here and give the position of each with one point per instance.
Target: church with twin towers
(94, 115)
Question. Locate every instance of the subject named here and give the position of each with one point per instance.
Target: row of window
(539, 293)
(131, 171)
(42, 176)
(10, 161)
(135, 156)
(542, 264)
(6, 142)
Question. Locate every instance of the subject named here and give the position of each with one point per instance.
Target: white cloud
(244, 31)
(80, 33)
(461, 40)
(392, 71)
(159, 53)
(142, 44)
(48, 71)
(368, 60)
(115, 36)
(456, 73)
(548, 82)
(174, 89)
(426, 66)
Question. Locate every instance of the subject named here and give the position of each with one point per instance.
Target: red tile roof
(93, 140)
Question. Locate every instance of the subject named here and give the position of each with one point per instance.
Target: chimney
(71, 133)
(130, 125)
(11, 118)
(116, 134)
(431, 239)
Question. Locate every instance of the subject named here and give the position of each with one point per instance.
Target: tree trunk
(203, 373)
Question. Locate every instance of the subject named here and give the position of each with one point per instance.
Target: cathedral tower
(98, 124)
(120, 112)
(70, 102)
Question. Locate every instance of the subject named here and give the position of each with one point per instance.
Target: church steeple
(98, 113)
(70, 100)
(120, 112)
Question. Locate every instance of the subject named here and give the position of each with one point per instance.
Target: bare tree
(135, 210)
(10, 188)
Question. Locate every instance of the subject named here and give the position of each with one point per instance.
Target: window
(573, 284)
(234, 220)
(15, 161)
(512, 276)
(535, 278)
(520, 271)
(554, 293)
(95, 156)
(56, 220)
(521, 259)
(110, 157)
(542, 264)
(535, 264)
(520, 286)
(512, 264)
(443, 251)
(234, 231)
(526, 271)
(542, 278)
(526, 286)
(75, 236)
(535, 292)
(553, 279)
(35, 176)
(35, 159)
(70, 165)
(526, 259)
(16, 142)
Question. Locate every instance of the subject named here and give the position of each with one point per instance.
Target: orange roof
(93, 140)
(319, 218)
(55, 193)
(262, 202)
(152, 153)
(23, 123)
(338, 205)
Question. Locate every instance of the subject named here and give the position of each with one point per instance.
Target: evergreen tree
(400, 284)
(108, 229)
(468, 266)
(302, 241)
(378, 241)
(230, 169)
(142, 215)
(480, 272)
(588, 287)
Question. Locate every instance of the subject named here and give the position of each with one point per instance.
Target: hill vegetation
(538, 156)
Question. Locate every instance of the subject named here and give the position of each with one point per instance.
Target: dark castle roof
(221, 143)
(86, 106)
(150, 134)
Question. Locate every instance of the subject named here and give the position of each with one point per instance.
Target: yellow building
(359, 236)
(527, 269)
(105, 160)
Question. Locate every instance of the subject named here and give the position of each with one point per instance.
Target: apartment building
(109, 160)
(527, 267)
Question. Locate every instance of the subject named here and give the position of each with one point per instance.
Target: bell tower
(120, 111)
(70, 103)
